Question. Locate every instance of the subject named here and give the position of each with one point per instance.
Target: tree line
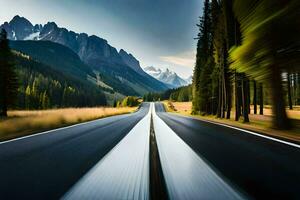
(129, 101)
(245, 49)
(181, 94)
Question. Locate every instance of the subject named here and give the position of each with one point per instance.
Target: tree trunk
(237, 99)
(289, 91)
(297, 82)
(3, 100)
(248, 96)
(223, 98)
(220, 99)
(261, 99)
(254, 97)
(224, 77)
(280, 119)
(293, 92)
(3, 112)
(245, 99)
(229, 100)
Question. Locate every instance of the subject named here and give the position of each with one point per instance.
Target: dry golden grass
(20, 123)
(258, 123)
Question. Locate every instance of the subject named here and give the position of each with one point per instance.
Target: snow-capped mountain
(168, 77)
(91, 49)
(119, 70)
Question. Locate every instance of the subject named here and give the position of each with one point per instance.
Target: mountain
(18, 28)
(118, 70)
(42, 86)
(189, 80)
(131, 61)
(168, 77)
(57, 56)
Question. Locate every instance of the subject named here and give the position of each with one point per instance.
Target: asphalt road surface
(262, 168)
(109, 159)
(47, 165)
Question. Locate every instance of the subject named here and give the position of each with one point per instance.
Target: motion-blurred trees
(8, 78)
(270, 46)
(250, 42)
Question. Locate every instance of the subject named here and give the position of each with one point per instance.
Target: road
(262, 168)
(109, 159)
(186, 174)
(47, 165)
(123, 173)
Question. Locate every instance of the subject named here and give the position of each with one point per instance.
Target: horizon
(125, 33)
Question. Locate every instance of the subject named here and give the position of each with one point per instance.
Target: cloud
(186, 59)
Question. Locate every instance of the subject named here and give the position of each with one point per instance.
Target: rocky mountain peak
(131, 61)
(17, 20)
(166, 76)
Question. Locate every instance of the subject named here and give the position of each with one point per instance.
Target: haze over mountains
(168, 77)
(119, 72)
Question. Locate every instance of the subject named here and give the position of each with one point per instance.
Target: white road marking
(123, 173)
(187, 176)
(247, 131)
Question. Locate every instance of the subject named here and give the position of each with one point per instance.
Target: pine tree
(254, 97)
(28, 97)
(203, 53)
(8, 77)
(45, 100)
(290, 102)
(115, 103)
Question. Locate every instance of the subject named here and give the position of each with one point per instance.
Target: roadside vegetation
(181, 94)
(129, 101)
(25, 122)
(258, 123)
(35, 98)
(247, 49)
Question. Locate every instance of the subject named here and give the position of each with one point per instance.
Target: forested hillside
(56, 56)
(41, 87)
(78, 54)
(247, 49)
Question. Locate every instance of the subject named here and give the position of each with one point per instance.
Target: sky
(158, 33)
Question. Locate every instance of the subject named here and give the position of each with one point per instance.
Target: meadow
(25, 122)
(258, 123)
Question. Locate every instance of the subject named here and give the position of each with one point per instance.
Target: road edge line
(56, 129)
(244, 130)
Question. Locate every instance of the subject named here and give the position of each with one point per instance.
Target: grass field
(20, 123)
(258, 123)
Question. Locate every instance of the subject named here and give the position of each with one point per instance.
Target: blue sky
(156, 32)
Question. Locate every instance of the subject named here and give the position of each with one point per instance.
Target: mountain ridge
(122, 72)
(168, 77)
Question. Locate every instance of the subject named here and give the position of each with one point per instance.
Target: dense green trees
(8, 78)
(271, 33)
(42, 87)
(28, 84)
(181, 94)
(243, 47)
(129, 101)
(203, 55)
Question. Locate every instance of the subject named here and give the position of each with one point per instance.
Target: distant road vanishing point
(114, 158)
